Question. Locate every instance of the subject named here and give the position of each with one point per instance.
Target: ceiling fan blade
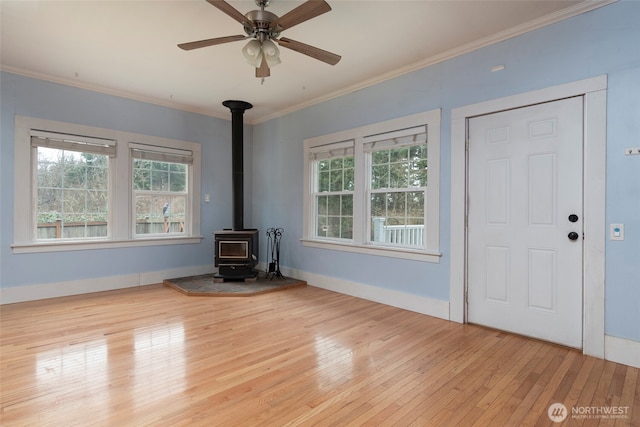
(314, 52)
(228, 9)
(210, 42)
(304, 12)
(263, 71)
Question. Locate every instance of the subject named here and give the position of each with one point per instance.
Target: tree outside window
(334, 197)
(72, 194)
(398, 187)
(160, 192)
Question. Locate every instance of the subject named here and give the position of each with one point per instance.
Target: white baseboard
(9, 295)
(621, 350)
(617, 350)
(418, 304)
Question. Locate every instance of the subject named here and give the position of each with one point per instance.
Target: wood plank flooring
(300, 357)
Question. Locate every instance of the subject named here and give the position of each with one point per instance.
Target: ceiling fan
(264, 28)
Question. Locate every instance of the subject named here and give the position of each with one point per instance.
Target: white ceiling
(128, 48)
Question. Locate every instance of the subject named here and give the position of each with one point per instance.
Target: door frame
(594, 91)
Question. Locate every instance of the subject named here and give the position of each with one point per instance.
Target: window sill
(403, 253)
(79, 245)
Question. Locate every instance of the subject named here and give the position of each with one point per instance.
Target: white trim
(621, 350)
(405, 301)
(385, 251)
(594, 91)
(457, 215)
(78, 245)
(14, 294)
(594, 204)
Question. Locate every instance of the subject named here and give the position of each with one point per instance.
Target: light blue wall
(600, 42)
(623, 204)
(604, 41)
(44, 100)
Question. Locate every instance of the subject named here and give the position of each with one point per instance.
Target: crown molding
(577, 9)
(109, 91)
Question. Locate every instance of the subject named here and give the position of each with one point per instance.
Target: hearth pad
(204, 285)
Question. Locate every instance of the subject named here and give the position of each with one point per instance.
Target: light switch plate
(616, 232)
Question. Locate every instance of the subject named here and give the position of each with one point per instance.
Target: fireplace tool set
(274, 235)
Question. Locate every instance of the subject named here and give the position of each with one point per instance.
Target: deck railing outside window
(406, 235)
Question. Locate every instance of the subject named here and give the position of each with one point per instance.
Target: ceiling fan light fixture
(252, 52)
(271, 53)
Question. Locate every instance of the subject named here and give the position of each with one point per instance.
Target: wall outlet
(632, 151)
(207, 198)
(616, 232)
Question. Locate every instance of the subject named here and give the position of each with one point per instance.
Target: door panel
(497, 280)
(524, 274)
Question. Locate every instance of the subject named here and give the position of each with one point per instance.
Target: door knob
(573, 236)
(573, 218)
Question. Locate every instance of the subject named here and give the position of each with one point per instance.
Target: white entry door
(524, 252)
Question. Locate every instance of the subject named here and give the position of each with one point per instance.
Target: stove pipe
(237, 157)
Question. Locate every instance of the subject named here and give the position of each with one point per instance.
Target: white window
(333, 187)
(71, 186)
(397, 166)
(375, 189)
(79, 187)
(160, 188)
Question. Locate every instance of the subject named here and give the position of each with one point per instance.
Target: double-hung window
(160, 187)
(333, 189)
(375, 189)
(71, 186)
(78, 187)
(397, 166)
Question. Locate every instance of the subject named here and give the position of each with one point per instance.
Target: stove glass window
(233, 249)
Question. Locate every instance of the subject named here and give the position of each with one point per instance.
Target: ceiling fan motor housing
(262, 25)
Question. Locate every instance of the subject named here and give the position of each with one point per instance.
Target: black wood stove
(236, 253)
(236, 249)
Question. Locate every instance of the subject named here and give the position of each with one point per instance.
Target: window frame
(120, 189)
(360, 243)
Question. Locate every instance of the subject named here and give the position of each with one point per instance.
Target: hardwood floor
(305, 356)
